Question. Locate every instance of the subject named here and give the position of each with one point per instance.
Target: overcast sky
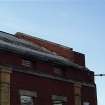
(79, 24)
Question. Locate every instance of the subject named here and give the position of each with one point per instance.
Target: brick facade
(46, 71)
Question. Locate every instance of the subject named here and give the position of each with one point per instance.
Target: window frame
(31, 94)
(26, 63)
(61, 99)
(29, 98)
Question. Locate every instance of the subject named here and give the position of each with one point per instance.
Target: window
(58, 100)
(57, 71)
(26, 100)
(86, 103)
(26, 63)
(27, 97)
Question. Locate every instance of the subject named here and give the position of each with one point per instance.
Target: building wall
(56, 48)
(89, 95)
(46, 87)
(19, 75)
(5, 75)
(47, 68)
(8, 58)
(43, 86)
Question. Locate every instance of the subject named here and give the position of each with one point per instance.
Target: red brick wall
(89, 95)
(44, 88)
(79, 58)
(47, 87)
(48, 68)
(8, 58)
(65, 52)
(80, 75)
(59, 49)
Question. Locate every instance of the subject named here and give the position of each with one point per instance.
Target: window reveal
(86, 103)
(26, 100)
(26, 63)
(59, 100)
(27, 97)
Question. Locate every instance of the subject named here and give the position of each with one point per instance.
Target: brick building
(34, 71)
